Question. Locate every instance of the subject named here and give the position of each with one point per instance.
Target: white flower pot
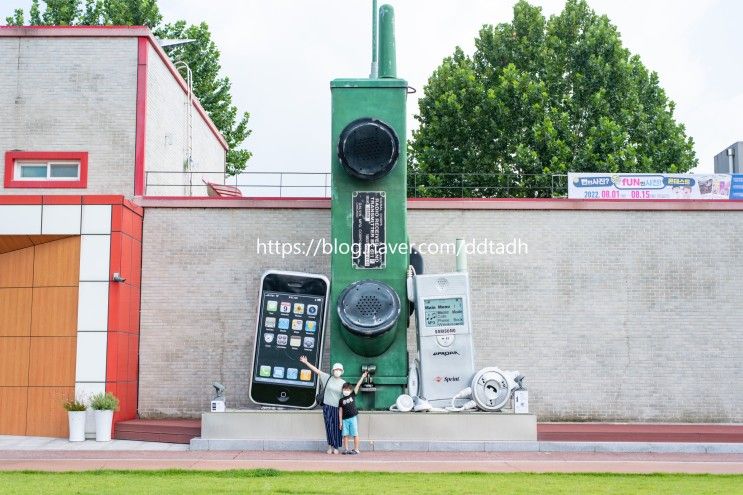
(77, 425)
(103, 421)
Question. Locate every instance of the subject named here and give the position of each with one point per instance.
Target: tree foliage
(202, 56)
(539, 97)
(214, 91)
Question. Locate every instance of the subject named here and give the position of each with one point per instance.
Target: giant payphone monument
(369, 184)
(370, 290)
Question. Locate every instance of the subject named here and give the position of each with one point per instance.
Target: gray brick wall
(166, 137)
(79, 94)
(625, 316)
(72, 94)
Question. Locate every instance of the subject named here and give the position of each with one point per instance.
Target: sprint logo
(446, 379)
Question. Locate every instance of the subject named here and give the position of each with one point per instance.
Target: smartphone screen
(288, 329)
(290, 324)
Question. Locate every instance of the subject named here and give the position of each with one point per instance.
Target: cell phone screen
(290, 326)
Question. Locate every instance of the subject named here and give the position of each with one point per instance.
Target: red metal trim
(62, 200)
(450, 204)
(103, 199)
(141, 119)
(12, 156)
(136, 209)
(20, 200)
(73, 31)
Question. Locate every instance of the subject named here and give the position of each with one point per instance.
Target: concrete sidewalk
(56, 454)
(10, 443)
(567, 462)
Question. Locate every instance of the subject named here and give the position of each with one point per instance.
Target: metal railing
(486, 185)
(253, 184)
(317, 184)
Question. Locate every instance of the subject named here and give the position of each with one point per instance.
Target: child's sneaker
(353, 452)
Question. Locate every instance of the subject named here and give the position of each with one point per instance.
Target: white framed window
(47, 170)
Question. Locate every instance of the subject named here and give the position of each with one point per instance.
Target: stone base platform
(304, 430)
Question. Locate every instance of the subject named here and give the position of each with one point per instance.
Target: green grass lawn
(261, 481)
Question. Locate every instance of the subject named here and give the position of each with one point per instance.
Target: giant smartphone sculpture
(291, 323)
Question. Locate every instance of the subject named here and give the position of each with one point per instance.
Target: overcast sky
(281, 55)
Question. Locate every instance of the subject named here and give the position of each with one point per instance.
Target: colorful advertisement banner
(653, 186)
(736, 187)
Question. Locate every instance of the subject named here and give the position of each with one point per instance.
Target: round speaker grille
(368, 308)
(442, 284)
(368, 149)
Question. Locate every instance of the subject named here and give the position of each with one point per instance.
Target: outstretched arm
(303, 360)
(361, 380)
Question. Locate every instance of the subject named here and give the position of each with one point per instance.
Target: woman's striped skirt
(333, 433)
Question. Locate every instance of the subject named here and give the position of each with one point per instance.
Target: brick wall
(612, 315)
(72, 94)
(166, 137)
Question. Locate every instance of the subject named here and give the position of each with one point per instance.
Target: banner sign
(653, 186)
(736, 187)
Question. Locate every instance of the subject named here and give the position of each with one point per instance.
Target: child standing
(348, 416)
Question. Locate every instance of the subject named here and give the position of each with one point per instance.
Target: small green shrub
(74, 405)
(104, 402)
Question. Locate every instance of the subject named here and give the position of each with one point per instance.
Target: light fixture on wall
(118, 278)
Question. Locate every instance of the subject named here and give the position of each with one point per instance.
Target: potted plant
(104, 405)
(76, 415)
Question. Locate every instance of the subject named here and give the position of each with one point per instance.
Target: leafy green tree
(202, 56)
(541, 97)
(213, 91)
(17, 19)
(131, 12)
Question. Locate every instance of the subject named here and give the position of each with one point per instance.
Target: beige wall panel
(52, 361)
(14, 242)
(13, 401)
(15, 312)
(57, 263)
(54, 312)
(43, 239)
(45, 416)
(17, 268)
(13, 362)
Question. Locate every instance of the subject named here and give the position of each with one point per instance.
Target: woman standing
(332, 396)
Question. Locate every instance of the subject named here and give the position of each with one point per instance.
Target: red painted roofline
(451, 204)
(141, 116)
(112, 32)
(74, 31)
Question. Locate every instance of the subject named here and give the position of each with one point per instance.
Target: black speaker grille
(368, 149)
(368, 307)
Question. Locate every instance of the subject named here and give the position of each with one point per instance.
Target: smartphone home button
(283, 396)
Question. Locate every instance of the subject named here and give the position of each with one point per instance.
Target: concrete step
(158, 430)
